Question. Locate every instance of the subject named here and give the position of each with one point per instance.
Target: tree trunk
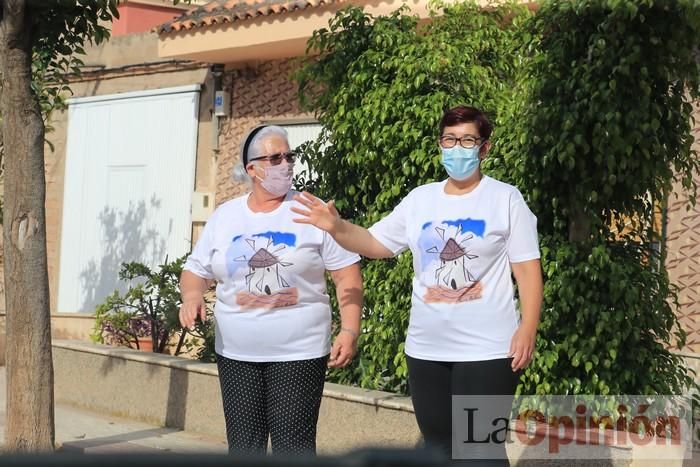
(30, 411)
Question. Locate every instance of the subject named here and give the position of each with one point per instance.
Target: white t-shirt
(463, 308)
(271, 300)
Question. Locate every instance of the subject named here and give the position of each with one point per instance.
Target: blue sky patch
(288, 239)
(469, 225)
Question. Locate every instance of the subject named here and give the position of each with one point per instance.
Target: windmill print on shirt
(266, 278)
(447, 261)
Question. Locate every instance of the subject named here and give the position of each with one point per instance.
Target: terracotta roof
(228, 11)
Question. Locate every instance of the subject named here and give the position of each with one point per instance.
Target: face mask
(278, 178)
(460, 163)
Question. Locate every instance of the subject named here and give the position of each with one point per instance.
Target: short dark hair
(465, 114)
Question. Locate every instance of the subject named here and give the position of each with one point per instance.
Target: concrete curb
(183, 394)
(335, 391)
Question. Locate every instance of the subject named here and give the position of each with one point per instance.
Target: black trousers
(432, 385)
(279, 400)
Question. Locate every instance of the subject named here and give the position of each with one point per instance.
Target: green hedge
(601, 122)
(591, 101)
(379, 87)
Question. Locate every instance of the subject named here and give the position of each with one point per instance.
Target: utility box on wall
(222, 103)
(202, 206)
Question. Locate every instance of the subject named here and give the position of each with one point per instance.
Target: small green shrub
(149, 308)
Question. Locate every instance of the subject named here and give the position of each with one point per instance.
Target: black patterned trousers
(279, 400)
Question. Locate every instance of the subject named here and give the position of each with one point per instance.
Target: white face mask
(278, 178)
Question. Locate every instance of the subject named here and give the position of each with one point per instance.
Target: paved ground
(80, 431)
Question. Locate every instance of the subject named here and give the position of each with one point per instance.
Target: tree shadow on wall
(125, 235)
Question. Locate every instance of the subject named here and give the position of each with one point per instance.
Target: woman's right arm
(358, 239)
(192, 288)
(348, 235)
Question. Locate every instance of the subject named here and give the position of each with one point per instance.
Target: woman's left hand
(522, 346)
(344, 349)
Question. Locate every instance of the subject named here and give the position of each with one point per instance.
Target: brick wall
(261, 93)
(683, 260)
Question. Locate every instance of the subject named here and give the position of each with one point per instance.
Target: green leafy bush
(591, 104)
(601, 126)
(149, 308)
(379, 87)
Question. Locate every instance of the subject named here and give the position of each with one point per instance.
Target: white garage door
(129, 178)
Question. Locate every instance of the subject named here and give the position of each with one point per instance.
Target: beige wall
(126, 63)
(259, 94)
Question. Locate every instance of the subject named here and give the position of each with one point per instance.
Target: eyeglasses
(467, 142)
(276, 159)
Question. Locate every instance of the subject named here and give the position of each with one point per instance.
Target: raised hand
(318, 213)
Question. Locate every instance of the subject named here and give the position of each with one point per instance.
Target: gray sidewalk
(80, 431)
(83, 432)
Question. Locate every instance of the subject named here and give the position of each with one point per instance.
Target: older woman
(467, 234)
(273, 319)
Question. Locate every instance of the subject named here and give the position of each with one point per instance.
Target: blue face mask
(460, 163)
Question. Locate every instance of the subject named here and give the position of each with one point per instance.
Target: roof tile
(223, 11)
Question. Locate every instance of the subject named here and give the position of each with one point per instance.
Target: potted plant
(146, 315)
(123, 329)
